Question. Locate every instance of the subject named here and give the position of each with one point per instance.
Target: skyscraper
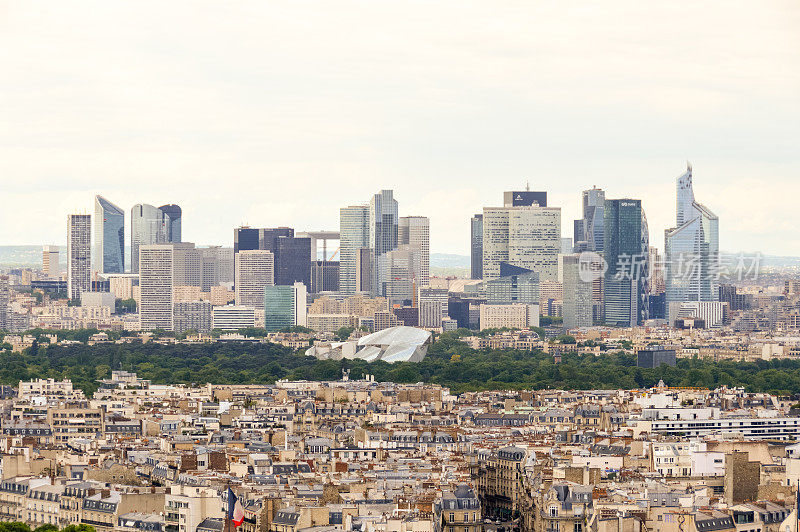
(156, 277)
(217, 266)
(147, 227)
(476, 247)
(5, 297)
(292, 260)
(254, 272)
(691, 251)
(383, 233)
(79, 254)
(414, 231)
(626, 253)
(50, 264)
(577, 294)
(527, 237)
(172, 222)
(109, 237)
(588, 234)
(401, 267)
(354, 236)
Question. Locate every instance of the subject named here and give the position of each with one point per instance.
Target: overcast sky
(279, 113)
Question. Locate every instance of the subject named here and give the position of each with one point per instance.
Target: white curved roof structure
(396, 344)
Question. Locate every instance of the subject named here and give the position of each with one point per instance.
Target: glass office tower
(626, 253)
(147, 227)
(691, 249)
(109, 237)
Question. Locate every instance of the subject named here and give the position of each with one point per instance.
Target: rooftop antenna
(527, 186)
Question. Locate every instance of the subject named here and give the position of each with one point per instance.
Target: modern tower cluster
(521, 267)
(612, 275)
(381, 253)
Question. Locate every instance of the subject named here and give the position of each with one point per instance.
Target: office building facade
(79, 254)
(284, 306)
(383, 236)
(109, 237)
(192, 316)
(526, 237)
(353, 237)
(576, 307)
(476, 246)
(152, 225)
(156, 282)
(254, 272)
(50, 262)
(626, 253)
(589, 231)
(172, 222)
(232, 317)
(414, 231)
(217, 265)
(691, 251)
(324, 276)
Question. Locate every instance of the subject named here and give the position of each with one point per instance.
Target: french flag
(235, 509)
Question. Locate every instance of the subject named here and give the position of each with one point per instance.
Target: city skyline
(574, 97)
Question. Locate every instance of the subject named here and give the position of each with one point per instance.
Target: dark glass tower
(245, 238)
(626, 254)
(172, 222)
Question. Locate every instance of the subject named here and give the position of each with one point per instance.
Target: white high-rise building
(79, 254)
(691, 251)
(527, 237)
(255, 270)
(232, 317)
(50, 264)
(353, 237)
(414, 231)
(156, 282)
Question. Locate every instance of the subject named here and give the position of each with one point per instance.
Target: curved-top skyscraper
(172, 222)
(109, 237)
(691, 249)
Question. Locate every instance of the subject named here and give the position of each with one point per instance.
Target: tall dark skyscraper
(292, 260)
(476, 247)
(172, 222)
(626, 253)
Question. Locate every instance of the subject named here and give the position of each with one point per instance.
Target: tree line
(450, 362)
